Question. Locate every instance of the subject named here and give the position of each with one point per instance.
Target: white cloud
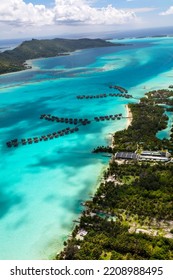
(17, 12)
(80, 11)
(143, 10)
(168, 12)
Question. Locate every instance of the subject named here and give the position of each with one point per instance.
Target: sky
(42, 18)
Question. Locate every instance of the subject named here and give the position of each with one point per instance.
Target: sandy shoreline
(29, 63)
(31, 67)
(129, 121)
(129, 116)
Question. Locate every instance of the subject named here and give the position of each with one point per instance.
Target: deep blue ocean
(42, 185)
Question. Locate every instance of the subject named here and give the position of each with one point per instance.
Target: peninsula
(14, 60)
(131, 216)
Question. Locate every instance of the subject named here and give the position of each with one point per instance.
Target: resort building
(154, 155)
(126, 156)
(144, 156)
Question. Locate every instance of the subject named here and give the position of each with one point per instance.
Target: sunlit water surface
(42, 185)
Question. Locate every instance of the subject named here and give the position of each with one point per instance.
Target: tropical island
(131, 215)
(15, 60)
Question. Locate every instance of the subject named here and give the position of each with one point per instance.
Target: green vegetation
(148, 119)
(131, 215)
(162, 96)
(171, 135)
(7, 67)
(13, 60)
(148, 193)
(143, 202)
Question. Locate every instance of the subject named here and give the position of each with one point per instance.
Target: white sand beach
(129, 116)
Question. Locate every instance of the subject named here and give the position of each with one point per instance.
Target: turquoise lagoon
(42, 185)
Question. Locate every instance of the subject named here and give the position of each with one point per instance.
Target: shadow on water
(74, 205)
(8, 201)
(17, 224)
(69, 160)
(28, 111)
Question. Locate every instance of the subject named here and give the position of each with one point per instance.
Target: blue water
(42, 185)
(9, 44)
(165, 133)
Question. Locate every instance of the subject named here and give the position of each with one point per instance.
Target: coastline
(125, 122)
(82, 203)
(16, 60)
(29, 64)
(129, 116)
(29, 68)
(90, 216)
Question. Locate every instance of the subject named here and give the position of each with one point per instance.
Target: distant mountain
(14, 60)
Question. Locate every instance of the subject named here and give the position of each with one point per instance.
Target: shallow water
(42, 185)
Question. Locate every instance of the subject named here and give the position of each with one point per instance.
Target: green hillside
(13, 60)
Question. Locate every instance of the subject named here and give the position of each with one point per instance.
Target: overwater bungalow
(14, 140)
(9, 144)
(23, 141)
(47, 118)
(42, 116)
(16, 144)
(121, 89)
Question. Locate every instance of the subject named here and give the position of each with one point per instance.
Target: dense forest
(142, 199)
(112, 241)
